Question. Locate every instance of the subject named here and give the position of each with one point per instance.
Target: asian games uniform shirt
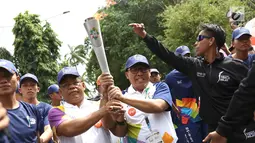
(96, 134)
(25, 122)
(189, 127)
(44, 109)
(138, 129)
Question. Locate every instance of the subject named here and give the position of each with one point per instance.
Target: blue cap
(9, 66)
(67, 71)
(182, 50)
(53, 88)
(136, 59)
(28, 75)
(238, 32)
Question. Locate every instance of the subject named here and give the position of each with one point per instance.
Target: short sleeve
(56, 117)
(163, 92)
(46, 120)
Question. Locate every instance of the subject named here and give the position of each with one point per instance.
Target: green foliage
(36, 49)
(182, 20)
(119, 40)
(5, 54)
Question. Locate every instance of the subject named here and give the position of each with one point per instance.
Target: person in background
(155, 75)
(18, 94)
(147, 106)
(25, 120)
(53, 93)
(29, 87)
(251, 50)
(189, 126)
(242, 43)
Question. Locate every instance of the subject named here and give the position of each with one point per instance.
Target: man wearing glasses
(214, 77)
(147, 106)
(77, 120)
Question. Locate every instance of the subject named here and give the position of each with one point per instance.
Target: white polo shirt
(138, 129)
(68, 111)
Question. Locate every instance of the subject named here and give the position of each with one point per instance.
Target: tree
(181, 21)
(5, 54)
(119, 40)
(36, 49)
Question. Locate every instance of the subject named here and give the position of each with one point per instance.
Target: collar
(131, 90)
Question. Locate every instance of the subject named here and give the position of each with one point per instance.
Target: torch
(94, 32)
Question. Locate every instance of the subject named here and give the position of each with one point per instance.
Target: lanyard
(148, 123)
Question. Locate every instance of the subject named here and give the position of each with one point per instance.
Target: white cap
(154, 70)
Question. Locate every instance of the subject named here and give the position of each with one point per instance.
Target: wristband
(123, 123)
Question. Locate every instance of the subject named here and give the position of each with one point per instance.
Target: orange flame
(100, 16)
(110, 3)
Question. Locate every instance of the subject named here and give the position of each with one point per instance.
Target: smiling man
(29, 87)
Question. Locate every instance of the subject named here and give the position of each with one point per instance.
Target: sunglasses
(202, 37)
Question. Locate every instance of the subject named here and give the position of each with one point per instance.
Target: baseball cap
(8, 65)
(67, 71)
(154, 70)
(182, 50)
(28, 75)
(238, 32)
(53, 88)
(136, 59)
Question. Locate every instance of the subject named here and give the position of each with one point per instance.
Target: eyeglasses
(135, 70)
(66, 85)
(202, 37)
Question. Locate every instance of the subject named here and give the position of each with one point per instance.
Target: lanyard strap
(148, 123)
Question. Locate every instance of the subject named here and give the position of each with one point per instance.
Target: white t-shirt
(138, 129)
(68, 111)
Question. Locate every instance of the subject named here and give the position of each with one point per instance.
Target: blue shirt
(248, 61)
(44, 109)
(183, 95)
(25, 122)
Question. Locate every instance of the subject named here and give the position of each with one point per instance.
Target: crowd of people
(206, 98)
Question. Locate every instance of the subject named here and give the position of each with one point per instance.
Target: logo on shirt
(249, 134)
(179, 82)
(224, 78)
(131, 111)
(31, 121)
(200, 74)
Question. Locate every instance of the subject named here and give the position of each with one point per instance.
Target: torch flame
(110, 3)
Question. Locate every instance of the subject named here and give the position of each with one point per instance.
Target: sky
(69, 27)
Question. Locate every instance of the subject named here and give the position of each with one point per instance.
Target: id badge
(154, 137)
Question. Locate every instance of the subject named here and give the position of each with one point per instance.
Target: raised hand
(138, 29)
(105, 80)
(114, 92)
(116, 113)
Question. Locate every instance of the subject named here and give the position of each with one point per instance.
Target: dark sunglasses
(202, 37)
